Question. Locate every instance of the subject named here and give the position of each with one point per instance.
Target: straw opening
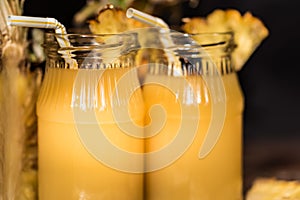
(129, 13)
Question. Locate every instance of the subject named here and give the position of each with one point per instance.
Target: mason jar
(83, 147)
(193, 134)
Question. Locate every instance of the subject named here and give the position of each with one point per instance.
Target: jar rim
(213, 33)
(85, 41)
(89, 34)
(206, 40)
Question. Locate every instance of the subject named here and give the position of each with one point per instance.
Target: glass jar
(77, 126)
(196, 152)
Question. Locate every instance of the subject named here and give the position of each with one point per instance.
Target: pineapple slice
(249, 31)
(274, 189)
(113, 20)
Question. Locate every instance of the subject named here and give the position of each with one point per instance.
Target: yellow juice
(217, 176)
(67, 169)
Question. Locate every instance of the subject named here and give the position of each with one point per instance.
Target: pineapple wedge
(249, 31)
(113, 20)
(274, 189)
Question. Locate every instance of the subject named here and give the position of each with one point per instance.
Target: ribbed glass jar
(200, 144)
(77, 127)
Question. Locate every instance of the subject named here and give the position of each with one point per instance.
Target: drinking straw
(156, 22)
(146, 18)
(48, 23)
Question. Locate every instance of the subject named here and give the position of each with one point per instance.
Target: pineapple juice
(67, 170)
(214, 177)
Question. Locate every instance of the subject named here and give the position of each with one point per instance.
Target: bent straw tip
(146, 18)
(130, 12)
(9, 20)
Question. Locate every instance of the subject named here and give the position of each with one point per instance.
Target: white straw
(48, 23)
(37, 22)
(146, 18)
(156, 22)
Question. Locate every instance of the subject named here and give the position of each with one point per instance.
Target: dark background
(270, 79)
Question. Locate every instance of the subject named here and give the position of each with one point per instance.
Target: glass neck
(201, 54)
(207, 64)
(90, 51)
